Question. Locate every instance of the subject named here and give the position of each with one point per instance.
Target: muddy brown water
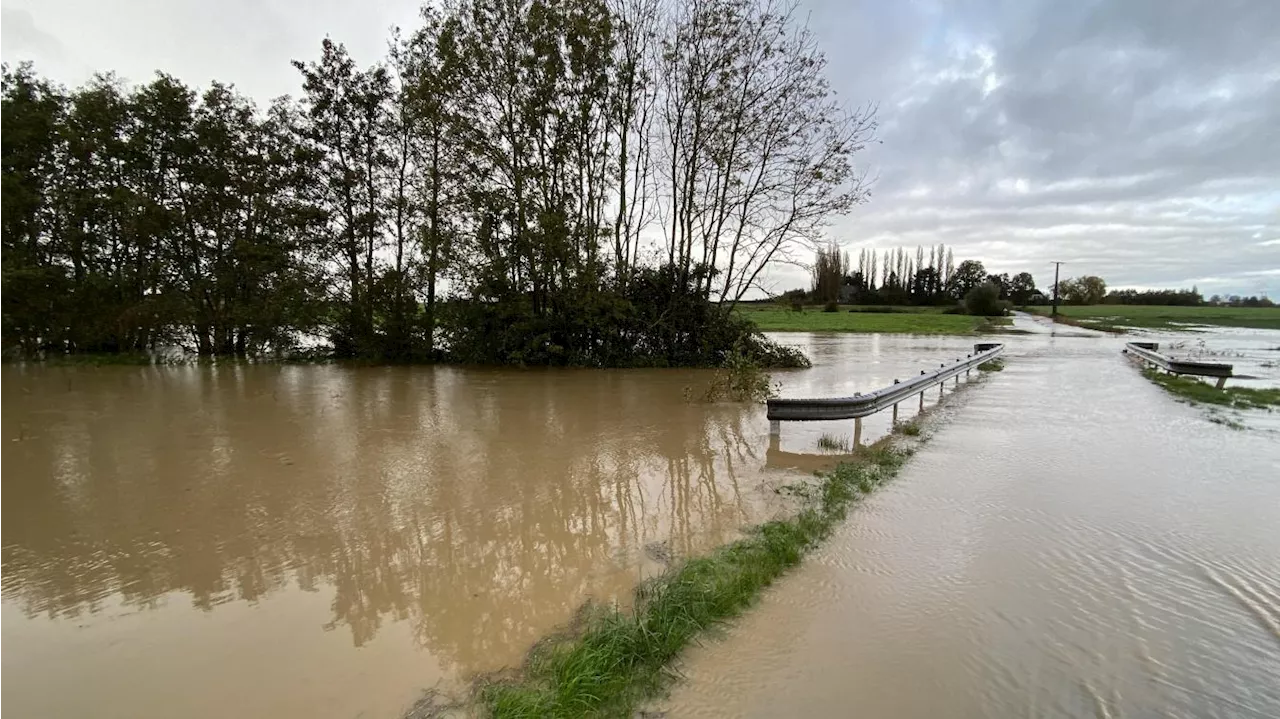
(333, 542)
(311, 541)
(329, 542)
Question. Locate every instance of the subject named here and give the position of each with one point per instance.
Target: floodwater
(316, 541)
(1072, 542)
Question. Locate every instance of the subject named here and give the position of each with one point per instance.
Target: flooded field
(1072, 542)
(310, 541)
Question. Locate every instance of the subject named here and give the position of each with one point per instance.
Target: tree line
(591, 182)
(930, 276)
(897, 277)
(1092, 290)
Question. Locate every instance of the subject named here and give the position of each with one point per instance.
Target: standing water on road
(318, 541)
(1073, 543)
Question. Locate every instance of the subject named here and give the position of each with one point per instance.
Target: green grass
(1117, 318)
(832, 442)
(995, 365)
(901, 320)
(910, 429)
(613, 659)
(1193, 390)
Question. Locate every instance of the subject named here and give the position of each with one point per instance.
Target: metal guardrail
(1149, 352)
(861, 405)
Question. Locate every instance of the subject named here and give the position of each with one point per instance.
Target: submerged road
(1072, 543)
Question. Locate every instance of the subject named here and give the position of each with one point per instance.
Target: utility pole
(1056, 267)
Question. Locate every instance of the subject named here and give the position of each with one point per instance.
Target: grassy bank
(1118, 318)
(893, 320)
(614, 659)
(1193, 390)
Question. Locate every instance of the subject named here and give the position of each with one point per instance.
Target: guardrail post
(1222, 382)
(775, 428)
(857, 431)
(922, 400)
(895, 414)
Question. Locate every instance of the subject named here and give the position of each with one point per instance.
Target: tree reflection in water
(480, 506)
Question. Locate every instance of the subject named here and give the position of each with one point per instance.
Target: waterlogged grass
(995, 365)
(614, 659)
(901, 320)
(910, 429)
(832, 442)
(1119, 318)
(1193, 390)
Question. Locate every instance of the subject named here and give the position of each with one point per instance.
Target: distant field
(1115, 318)
(904, 320)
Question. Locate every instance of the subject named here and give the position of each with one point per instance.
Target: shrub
(797, 306)
(739, 379)
(831, 307)
(984, 301)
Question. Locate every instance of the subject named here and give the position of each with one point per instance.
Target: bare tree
(757, 153)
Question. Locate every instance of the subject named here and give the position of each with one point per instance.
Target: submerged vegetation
(613, 659)
(910, 429)
(993, 365)
(1193, 390)
(743, 379)
(833, 443)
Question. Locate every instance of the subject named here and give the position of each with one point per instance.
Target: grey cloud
(19, 34)
(1136, 140)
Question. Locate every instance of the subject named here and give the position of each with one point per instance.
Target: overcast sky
(1138, 141)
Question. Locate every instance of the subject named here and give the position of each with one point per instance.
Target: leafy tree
(1022, 288)
(345, 122)
(1086, 290)
(828, 273)
(967, 276)
(984, 300)
(35, 287)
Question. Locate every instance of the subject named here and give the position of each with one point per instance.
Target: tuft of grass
(832, 442)
(910, 429)
(1193, 390)
(995, 365)
(613, 659)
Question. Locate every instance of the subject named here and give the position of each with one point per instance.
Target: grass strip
(1193, 390)
(614, 659)
(1121, 318)
(910, 320)
(992, 365)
